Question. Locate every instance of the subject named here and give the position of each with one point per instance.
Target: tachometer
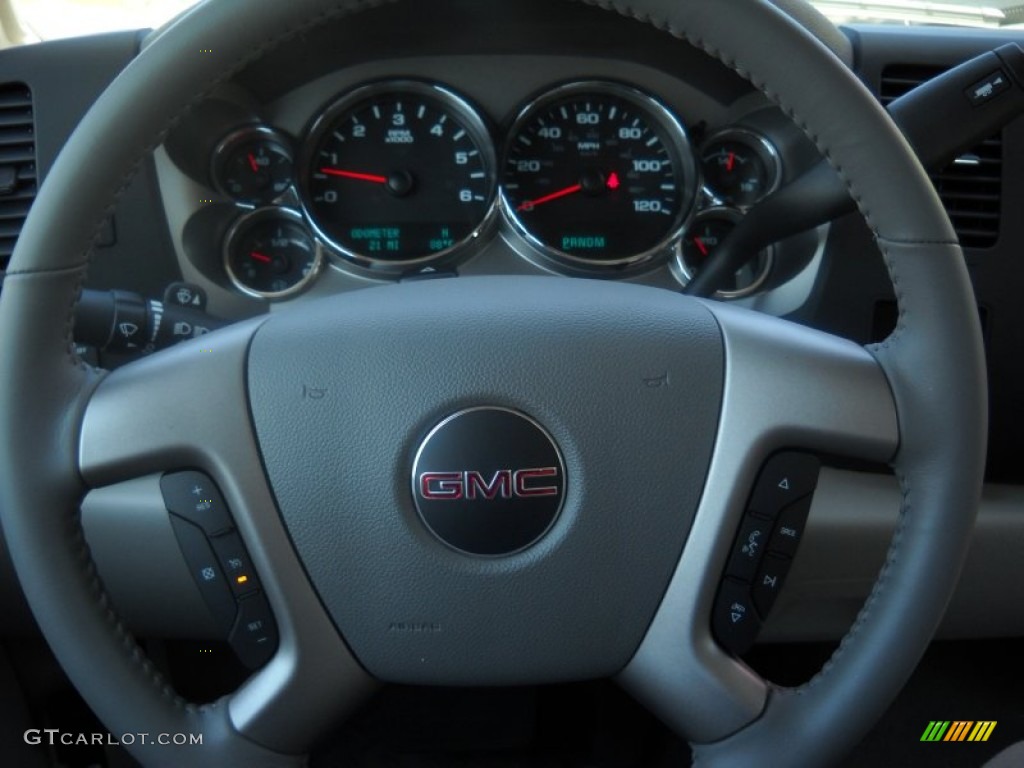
(598, 175)
(399, 175)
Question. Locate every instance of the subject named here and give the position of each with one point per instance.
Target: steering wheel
(653, 479)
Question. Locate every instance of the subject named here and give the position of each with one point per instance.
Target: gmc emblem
(505, 484)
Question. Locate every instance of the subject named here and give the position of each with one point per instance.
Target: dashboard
(529, 164)
(270, 196)
(517, 139)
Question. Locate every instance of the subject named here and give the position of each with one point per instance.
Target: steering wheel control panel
(220, 565)
(765, 545)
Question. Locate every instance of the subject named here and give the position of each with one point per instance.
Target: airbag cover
(627, 381)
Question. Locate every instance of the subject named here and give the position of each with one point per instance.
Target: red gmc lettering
(500, 483)
(441, 486)
(524, 476)
(471, 485)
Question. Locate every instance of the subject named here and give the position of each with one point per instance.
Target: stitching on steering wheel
(45, 270)
(128, 641)
(133, 651)
(876, 591)
(129, 175)
(896, 544)
(131, 647)
(905, 490)
(664, 26)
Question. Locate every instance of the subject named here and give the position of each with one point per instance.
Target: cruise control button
(734, 621)
(789, 530)
(748, 548)
(786, 477)
(195, 497)
(254, 636)
(202, 564)
(234, 560)
(769, 582)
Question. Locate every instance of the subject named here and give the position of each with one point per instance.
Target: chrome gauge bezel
(258, 216)
(363, 264)
(532, 248)
(757, 142)
(683, 274)
(252, 132)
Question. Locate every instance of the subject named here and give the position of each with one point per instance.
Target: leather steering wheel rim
(933, 364)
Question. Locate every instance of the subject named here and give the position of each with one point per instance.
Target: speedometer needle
(354, 175)
(257, 256)
(529, 205)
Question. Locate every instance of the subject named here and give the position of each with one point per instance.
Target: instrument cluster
(402, 176)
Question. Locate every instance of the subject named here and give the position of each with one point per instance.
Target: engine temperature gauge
(740, 167)
(270, 254)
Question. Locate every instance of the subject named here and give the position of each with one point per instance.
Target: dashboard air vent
(972, 187)
(17, 164)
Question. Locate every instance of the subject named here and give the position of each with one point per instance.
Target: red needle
(253, 164)
(353, 175)
(730, 163)
(529, 205)
(260, 257)
(700, 246)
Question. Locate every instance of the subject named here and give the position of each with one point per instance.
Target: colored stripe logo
(958, 730)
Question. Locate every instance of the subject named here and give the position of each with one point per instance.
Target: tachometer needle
(529, 205)
(354, 175)
(256, 256)
(253, 164)
(700, 246)
(730, 162)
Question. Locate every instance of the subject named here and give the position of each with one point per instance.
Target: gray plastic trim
(849, 530)
(771, 401)
(188, 407)
(137, 555)
(504, 253)
(848, 533)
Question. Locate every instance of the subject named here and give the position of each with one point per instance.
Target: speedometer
(399, 175)
(598, 175)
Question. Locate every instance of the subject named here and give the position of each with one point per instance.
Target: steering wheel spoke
(786, 387)
(602, 368)
(187, 408)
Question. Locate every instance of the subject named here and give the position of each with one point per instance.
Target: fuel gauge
(253, 165)
(740, 167)
(269, 254)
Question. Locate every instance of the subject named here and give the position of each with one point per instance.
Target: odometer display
(399, 175)
(598, 175)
